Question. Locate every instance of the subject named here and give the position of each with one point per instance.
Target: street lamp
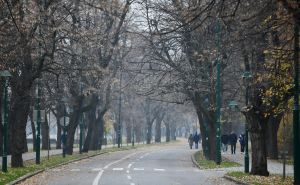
(64, 125)
(5, 74)
(81, 124)
(38, 124)
(206, 149)
(247, 77)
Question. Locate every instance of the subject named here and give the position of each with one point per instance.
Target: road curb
(233, 179)
(194, 161)
(23, 178)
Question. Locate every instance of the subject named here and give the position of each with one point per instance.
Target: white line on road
(117, 169)
(96, 169)
(127, 171)
(157, 169)
(129, 165)
(75, 170)
(97, 179)
(132, 184)
(129, 177)
(138, 169)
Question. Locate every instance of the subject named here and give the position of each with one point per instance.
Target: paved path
(31, 155)
(154, 165)
(274, 167)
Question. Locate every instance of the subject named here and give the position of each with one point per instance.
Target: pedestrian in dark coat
(232, 141)
(224, 141)
(191, 141)
(196, 140)
(242, 142)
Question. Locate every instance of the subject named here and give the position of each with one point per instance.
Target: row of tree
(149, 54)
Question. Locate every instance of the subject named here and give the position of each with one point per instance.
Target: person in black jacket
(232, 141)
(224, 141)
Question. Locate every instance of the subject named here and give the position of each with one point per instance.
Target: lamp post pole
(218, 100)
(6, 75)
(64, 132)
(296, 107)
(246, 158)
(246, 77)
(120, 104)
(80, 125)
(38, 125)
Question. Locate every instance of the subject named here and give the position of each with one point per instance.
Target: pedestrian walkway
(31, 155)
(274, 167)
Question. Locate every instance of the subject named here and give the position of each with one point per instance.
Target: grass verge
(55, 160)
(209, 164)
(260, 180)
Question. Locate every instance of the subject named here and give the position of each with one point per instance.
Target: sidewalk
(274, 167)
(31, 155)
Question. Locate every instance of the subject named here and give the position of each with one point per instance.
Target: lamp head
(5, 73)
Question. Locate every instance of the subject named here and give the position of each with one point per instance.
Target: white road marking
(129, 165)
(117, 169)
(108, 165)
(132, 184)
(96, 169)
(138, 169)
(156, 169)
(129, 177)
(75, 170)
(98, 177)
(127, 171)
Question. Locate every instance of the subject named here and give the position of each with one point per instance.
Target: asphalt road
(155, 165)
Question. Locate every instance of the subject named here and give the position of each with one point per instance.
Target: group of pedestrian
(194, 139)
(231, 139)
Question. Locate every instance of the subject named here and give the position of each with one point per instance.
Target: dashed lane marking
(117, 169)
(132, 184)
(127, 171)
(138, 169)
(157, 169)
(129, 177)
(98, 177)
(96, 169)
(129, 165)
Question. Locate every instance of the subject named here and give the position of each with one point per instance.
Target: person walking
(224, 141)
(196, 140)
(233, 140)
(191, 141)
(242, 142)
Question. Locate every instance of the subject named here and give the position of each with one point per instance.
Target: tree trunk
(158, 131)
(173, 132)
(168, 132)
(88, 138)
(149, 132)
(71, 130)
(100, 121)
(271, 136)
(58, 134)
(20, 104)
(257, 129)
(128, 133)
(45, 134)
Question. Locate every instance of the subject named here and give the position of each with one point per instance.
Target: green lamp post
(38, 124)
(247, 77)
(5, 74)
(64, 123)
